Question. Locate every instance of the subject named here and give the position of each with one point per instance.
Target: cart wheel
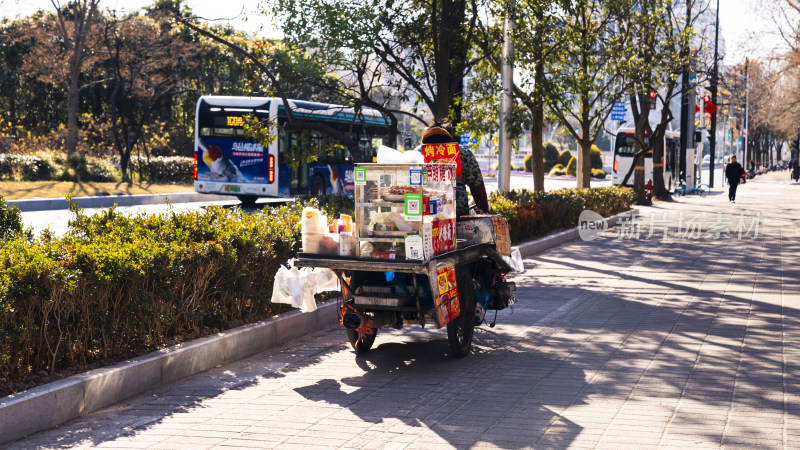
(365, 343)
(459, 330)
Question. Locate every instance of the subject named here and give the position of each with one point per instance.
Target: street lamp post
(712, 134)
(507, 74)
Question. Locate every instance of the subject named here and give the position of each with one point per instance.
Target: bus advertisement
(227, 162)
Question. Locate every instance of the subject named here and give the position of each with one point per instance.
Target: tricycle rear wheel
(361, 342)
(460, 329)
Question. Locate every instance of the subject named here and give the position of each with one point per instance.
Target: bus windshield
(626, 145)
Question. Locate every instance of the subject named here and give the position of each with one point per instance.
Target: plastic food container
(321, 243)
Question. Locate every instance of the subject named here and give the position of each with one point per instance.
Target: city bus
(624, 149)
(227, 162)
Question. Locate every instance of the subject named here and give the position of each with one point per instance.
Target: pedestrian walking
(733, 172)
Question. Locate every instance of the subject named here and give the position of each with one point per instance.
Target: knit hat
(434, 130)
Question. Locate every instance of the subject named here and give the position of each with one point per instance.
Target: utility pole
(746, 151)
(712, 133)
(507, 74)
(686, 115)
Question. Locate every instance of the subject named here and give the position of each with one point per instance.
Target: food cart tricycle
(408, 261)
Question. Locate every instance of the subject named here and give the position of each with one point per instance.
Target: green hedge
(564, 157)
(533, 214)
(10, 221)
(55, 167)
(165, 169)
(114, 285)
(572, 166)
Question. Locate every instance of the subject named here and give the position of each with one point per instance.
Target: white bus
(624, 148)
(227, 162)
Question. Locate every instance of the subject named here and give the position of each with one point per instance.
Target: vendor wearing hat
(442, 132)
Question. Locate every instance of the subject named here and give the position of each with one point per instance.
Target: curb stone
(55, 403)
(106, 201)
(52, 404)
(562, 237)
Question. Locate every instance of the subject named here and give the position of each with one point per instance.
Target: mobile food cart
(404, 259)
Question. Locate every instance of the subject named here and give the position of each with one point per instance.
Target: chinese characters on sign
(443, 153)
(689, 225)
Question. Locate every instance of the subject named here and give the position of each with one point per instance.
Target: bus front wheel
(248, 200)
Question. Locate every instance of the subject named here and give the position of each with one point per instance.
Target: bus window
(626, 145)
(299, 174)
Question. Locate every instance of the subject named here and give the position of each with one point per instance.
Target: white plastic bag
(326, 280)
(280, 293)
(515, 261)
(388, 155)
(297, 287)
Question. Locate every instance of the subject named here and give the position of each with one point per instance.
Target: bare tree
(74, 30)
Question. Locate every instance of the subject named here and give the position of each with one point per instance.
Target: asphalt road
(58, 220)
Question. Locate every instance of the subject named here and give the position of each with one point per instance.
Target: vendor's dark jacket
(733, 172)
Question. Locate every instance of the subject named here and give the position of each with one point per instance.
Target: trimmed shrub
(595, 158)
(532, 214)
(528, 163)
(557, 170)
(598, 173)
(38, 167)
(550, 155)
(572, 166)
(164, 169)
(86, 168)
(10, 220)
(55, 166)
(564, 157)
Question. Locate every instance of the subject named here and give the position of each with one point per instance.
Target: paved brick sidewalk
(615, 343)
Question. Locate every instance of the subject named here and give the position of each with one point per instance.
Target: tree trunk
(584, 169)
(537, 151)
(537, 119)
(73, 101)
(659, 186)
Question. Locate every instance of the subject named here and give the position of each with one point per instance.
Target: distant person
(733, 172)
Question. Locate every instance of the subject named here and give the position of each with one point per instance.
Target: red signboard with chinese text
(443, 234)
(443, 153)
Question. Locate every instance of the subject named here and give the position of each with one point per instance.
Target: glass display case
(404, 212)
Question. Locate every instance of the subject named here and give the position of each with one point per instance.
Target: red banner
(443, 153)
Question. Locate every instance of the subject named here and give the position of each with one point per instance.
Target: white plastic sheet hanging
(297, 287)
(515, 260)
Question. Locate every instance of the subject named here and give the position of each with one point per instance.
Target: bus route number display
(235, 121)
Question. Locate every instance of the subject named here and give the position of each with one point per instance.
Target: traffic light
(707, 98)
(653, 95)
